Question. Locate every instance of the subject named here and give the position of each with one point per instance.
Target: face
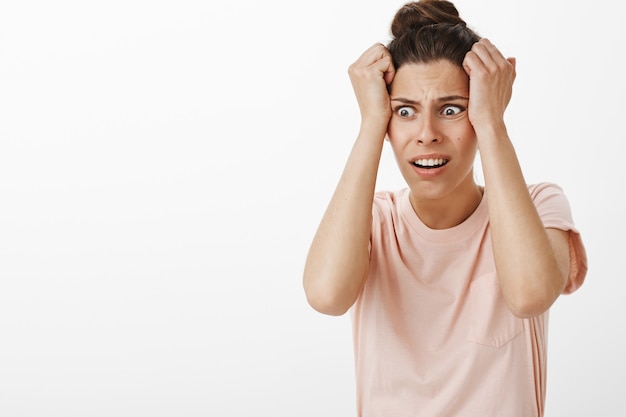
(432, 138)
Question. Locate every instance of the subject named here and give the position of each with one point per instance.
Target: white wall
(163, 167)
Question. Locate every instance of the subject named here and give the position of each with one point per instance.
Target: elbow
(333, 291)
(530, 305)
(528, 296)
(327, 303)
(330, 295)
(526, 311)
(328, 308)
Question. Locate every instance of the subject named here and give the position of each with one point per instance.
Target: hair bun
(415, 15)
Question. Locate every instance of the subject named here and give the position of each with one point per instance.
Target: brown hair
(429, 30)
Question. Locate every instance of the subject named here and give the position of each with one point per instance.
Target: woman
(449, 283)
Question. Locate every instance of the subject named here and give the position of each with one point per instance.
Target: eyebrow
(440, 99)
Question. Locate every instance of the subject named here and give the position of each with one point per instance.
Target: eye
(405, 112)
(452, 110)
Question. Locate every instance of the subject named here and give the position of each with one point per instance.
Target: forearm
(530, 274)
(338, 259)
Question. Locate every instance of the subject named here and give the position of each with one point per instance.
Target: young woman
(449, 283)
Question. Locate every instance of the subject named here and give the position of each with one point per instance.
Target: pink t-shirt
(432, 333)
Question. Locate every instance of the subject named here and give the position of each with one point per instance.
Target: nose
(428, 131)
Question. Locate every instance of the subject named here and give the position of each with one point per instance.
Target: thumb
(512, 61)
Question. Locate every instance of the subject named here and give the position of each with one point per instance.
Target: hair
(426, 31)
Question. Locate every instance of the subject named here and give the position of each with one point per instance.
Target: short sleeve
(554, 211)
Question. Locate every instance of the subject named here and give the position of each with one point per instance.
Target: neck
(450, 210)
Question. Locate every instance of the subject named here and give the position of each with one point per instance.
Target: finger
(490, 56)
(374, 52)
(494, 52)
(513, 62)
(388, 70)
(378, 56)
(473, 63)
(481, 53)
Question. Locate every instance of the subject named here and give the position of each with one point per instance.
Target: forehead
(432, 80)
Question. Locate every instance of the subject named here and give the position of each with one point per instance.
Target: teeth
(430, 162)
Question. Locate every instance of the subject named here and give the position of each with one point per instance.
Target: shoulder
(544, 189)
(389, 199)
(550, 200)
(388, 206)
(555, 213)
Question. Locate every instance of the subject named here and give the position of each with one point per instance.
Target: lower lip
(429, 172)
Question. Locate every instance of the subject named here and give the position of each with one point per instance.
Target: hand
(370, 75)
(491, 83)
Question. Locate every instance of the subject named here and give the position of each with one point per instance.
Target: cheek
(398, 133)
(391, 131)
(394, 138)
(468, 146)
(465, 137)
(466, 143)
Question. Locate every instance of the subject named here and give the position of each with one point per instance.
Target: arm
(338, 259)
(532, 262)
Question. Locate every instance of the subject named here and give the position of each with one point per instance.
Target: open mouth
(430, 163)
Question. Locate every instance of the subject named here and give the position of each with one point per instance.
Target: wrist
(488, 131)
(375, 126)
